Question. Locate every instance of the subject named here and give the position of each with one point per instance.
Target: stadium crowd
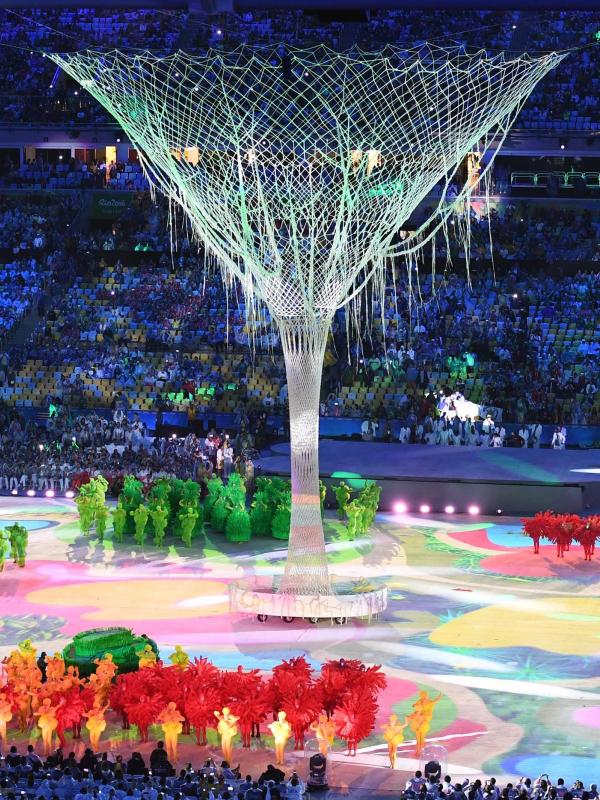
(109, 775)
(32, 91)
(166, 334)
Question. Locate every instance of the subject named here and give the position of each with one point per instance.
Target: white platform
(349, 601)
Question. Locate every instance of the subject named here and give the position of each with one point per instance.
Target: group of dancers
(563, 530)
(341, 700)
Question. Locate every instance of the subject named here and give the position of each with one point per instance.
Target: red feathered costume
(292, 689)
(564, 527)
(586, 534)
(73, 705)
(355, 718)
(202, 696)
(541, 526)
(119, 696)
(245, 693)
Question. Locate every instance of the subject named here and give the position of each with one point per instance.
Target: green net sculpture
(297, 171)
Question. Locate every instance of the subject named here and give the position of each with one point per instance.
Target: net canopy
(307, 162)
(296, 170)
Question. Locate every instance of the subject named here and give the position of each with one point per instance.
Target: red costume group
(563, 530)
(345, 690)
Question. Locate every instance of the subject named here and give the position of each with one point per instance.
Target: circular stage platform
(260, 599)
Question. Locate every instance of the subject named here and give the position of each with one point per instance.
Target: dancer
(160, 518)
(586, 534)
(355, 718)
(147, 657)
(19, 536)
(187, 522)
(143, 712)
(4, 547)
(5, 716)
(101, 520)
(393, 733)
(172, 724)
(281, 730)
(420, 719)
(70, 712)
(227, 729)
(96, 724)
(47, 723)
(106, 669)
(324, 729)
(179, 658)
(140, 517)
(119, 520)
(55, 668)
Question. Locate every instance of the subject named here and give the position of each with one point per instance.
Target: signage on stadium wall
(110, 206)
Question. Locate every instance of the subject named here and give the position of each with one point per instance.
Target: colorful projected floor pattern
(511, 639)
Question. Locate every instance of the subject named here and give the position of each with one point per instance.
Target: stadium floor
(512, 640)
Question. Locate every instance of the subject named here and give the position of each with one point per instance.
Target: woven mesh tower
(306, 165)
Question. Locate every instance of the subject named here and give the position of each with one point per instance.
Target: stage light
(424, 509)
(473, 510)
(400, 507)
(30, 493)
(449, 509)
(69, 494)
(14, 491)
(50, 493)
(498, 511)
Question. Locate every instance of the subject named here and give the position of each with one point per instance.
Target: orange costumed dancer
(96, 724)
(324, 729)
(393, 733)
(47, 723)
(55, 668)
(106, 669)
(227, 730)
(281, 730)
(5, 716)
(172, 724)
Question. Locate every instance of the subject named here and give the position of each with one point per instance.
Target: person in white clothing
(535, 435)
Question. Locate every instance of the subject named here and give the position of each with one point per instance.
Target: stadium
(299, 400)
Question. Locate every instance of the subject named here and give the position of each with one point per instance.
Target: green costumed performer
(119, 520)
(187, 523)
(353, 512)
(4, 547)
(101, 520)
(160, 519)
(19, 536)
(140, 517)
(85, 505)
(342, 495)
(322, 496)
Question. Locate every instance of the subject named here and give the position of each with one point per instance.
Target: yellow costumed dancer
(96, 724)
(179, 658)
(281, 730)
(324, 729)
(227, 729)
(5, 716)
(47, 723)
(172, 724)
(393, 733)
(147, 657)
(420, 719)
